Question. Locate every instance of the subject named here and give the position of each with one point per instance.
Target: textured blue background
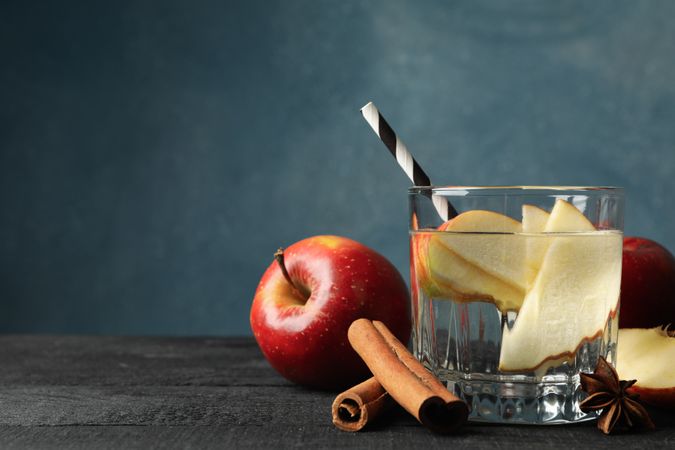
(154, 155)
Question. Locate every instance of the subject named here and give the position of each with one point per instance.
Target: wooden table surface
(130, 392)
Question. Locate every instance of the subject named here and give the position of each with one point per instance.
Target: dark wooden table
(129, 392)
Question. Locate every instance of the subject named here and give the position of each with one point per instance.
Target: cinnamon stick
(406, 379)
(360, 405)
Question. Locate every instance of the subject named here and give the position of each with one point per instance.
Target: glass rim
(519, 189)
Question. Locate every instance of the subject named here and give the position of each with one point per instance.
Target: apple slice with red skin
(648, 356)
(481, 256)
(445, 263)
(301, 323)
(647, 284)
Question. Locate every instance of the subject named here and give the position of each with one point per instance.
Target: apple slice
(536, 243)
(445, 274)
(534, 219)
(499, 252)
(565, 217)
(647, 355)
(450, 264)
(572, 297)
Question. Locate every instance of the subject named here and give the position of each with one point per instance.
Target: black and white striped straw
(399, 150)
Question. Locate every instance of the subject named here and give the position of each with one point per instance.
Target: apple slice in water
(534, 222)
(447, 275)
(572, 296)
(494, 266)
(648, 355)
(499, 252)
(464, 265)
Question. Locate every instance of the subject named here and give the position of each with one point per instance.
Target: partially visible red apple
(647, 284)
(309, 296)
(647, 355)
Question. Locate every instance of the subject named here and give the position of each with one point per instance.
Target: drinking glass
(516, 294)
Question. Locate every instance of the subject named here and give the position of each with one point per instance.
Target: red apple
(647, 355)
(309, 296)
(647, 284)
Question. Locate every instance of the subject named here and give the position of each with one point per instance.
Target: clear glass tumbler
(516, 294)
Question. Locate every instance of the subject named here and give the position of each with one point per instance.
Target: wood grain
(131, 392)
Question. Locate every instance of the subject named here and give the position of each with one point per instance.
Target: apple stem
(279, 258)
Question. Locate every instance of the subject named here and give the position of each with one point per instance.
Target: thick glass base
(499, 401)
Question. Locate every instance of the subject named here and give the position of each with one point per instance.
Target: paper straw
(399, 150)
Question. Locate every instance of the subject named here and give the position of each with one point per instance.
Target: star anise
(607, 393)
